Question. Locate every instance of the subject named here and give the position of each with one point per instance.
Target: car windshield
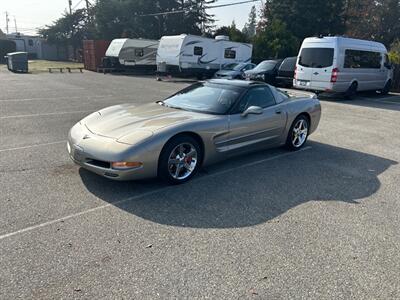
(233, 67)
(205, 97)
(267, 65)
(316, 57)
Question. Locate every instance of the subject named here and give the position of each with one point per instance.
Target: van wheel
(351, 91)
(387, 88)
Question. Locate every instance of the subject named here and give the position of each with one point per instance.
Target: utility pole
(7, 20)
(15, 25)
(87, 4)
(70, 6)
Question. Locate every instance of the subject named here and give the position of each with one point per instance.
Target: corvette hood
(127, 119)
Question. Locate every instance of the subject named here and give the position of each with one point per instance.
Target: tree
(249, 28)
(152, 19)
(275, 41)
(307, 18)
(373, 20)
(2, 34)
(234, 34)
(69, 30)
(394, 53)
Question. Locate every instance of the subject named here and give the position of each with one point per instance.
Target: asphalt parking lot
(322, 223)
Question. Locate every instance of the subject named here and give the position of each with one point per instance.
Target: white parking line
(32, 146)
(31, 228)
(47, 114)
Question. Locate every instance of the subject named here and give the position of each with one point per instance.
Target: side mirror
(252, 110)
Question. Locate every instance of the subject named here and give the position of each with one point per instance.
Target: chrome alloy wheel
(299, 134)
(182, 161)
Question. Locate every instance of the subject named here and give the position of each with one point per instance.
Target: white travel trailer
(131, 53)
(344, 65)
(199, 56)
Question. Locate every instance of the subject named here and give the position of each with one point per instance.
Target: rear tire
(180, 159)
(298, 133)
(351, 91)
(387, 88)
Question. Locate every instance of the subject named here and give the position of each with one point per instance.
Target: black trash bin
(17, 62)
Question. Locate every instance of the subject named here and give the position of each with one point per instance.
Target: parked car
(200, 125)
(265, 71)
(344, 65)
(285, 74)
(234, 70)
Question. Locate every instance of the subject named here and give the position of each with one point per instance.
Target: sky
(31, 14)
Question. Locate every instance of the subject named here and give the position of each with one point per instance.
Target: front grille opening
(99, 163)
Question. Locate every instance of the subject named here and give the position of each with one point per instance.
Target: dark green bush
(6, 46)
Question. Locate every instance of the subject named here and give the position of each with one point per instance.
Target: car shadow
(249, 190)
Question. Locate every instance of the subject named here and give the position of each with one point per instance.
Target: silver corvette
(200, 125)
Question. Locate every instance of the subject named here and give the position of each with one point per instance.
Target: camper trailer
(199, 56)
(131, 53)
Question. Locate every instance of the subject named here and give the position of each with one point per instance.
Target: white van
(344, 65)
(200, 56)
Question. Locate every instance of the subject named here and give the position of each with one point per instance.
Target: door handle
(278, 111)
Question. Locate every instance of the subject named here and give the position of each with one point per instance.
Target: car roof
(236, 82)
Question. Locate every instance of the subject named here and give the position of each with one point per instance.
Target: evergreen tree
(307, 18)
(250, 27)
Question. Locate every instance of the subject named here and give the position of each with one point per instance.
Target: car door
(256, 129)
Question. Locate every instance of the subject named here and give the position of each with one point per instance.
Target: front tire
(298, 133)
(180, 160)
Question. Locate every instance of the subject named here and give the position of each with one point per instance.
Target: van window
(358, 59)
(316, 57)
(139, 52)
(198, 51)
(30, 43)
(230, 53)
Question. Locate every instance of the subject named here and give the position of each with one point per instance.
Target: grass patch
(37, 66)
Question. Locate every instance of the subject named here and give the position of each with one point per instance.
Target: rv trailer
(131, 54)
(190, 55)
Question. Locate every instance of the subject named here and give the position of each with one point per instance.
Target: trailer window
(230, 54)
(139, 52)
(198, 51)
(358, 59)
(316, 57)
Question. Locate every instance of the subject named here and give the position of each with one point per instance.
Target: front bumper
(96, 153)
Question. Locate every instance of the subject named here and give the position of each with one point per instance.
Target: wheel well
(191, 134)
(307, 115)
(354, 81)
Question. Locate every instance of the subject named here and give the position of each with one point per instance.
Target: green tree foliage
(275, 41)
(394, 53)
(69, 30)
(307, 18)
(143, 18)
(234, 34)
(373, 19)
(249, 28)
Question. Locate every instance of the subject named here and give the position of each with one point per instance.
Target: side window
(259, 96)
(358, 59)
(139, 52)
(198, 51)
(230, 53)
(30, 43)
